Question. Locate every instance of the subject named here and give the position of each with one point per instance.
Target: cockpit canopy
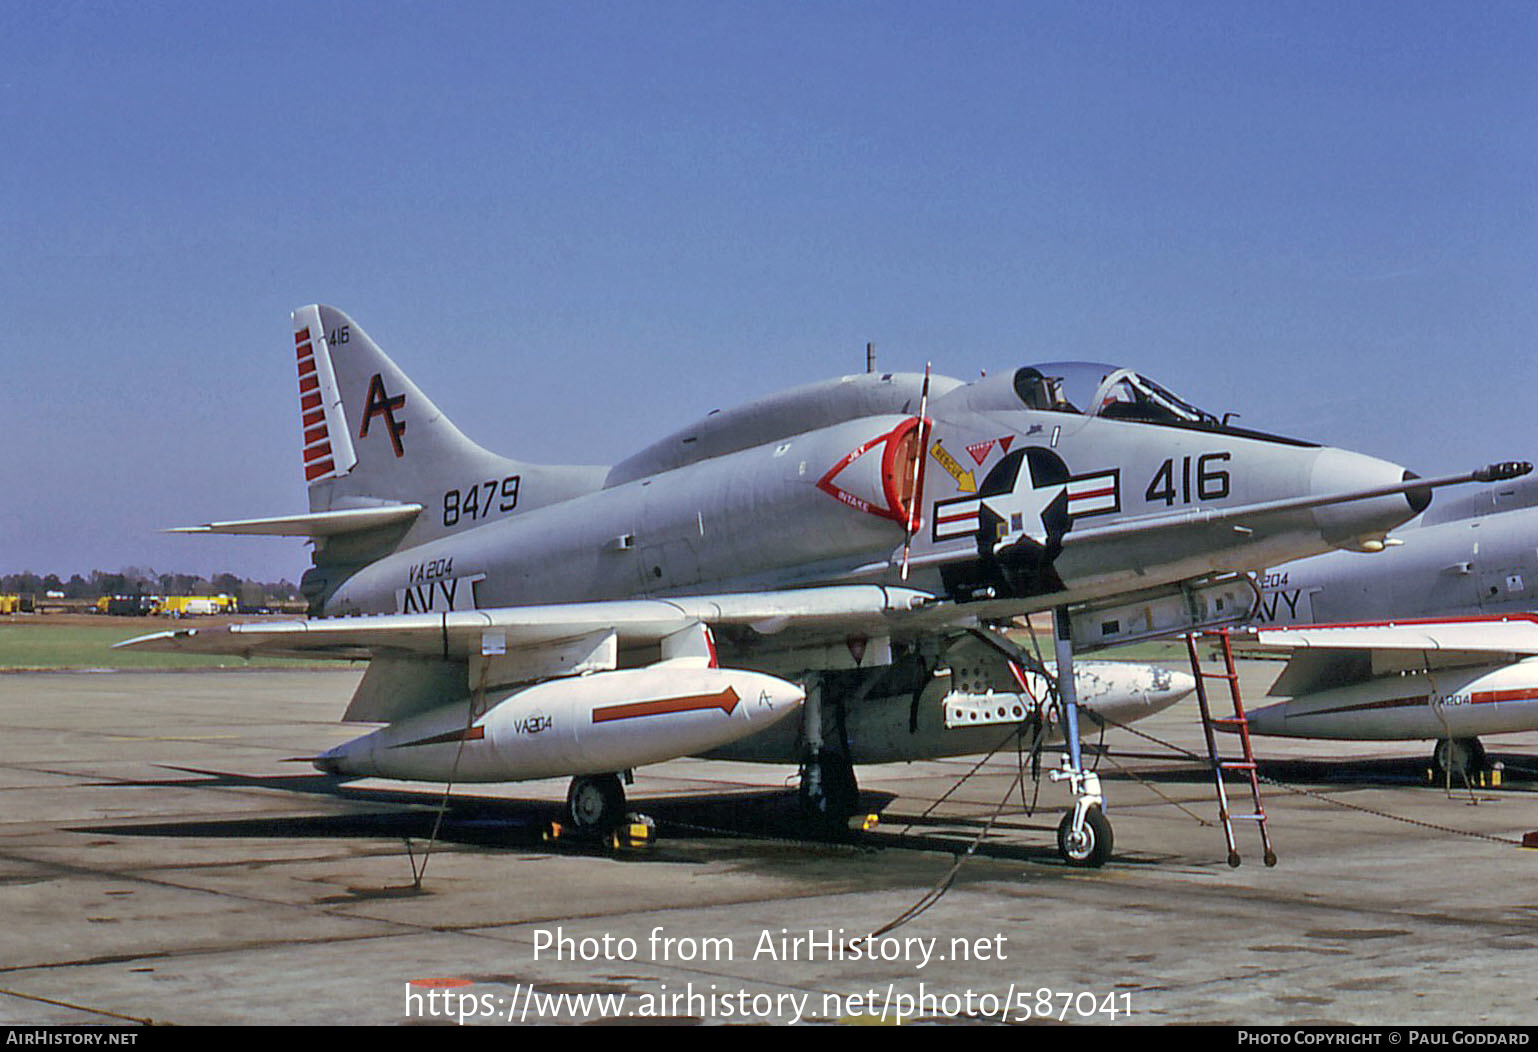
(1109, 391)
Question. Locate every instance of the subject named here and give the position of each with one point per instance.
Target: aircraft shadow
(468, 819)
(521, 824)
(763, 814)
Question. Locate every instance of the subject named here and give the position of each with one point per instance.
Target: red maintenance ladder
(1238, 723)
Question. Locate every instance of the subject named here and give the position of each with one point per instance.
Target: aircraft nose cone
(1420, 499)
(1338, 471)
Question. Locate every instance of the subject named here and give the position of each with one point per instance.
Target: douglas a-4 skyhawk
(1460, 658)
(852, 548)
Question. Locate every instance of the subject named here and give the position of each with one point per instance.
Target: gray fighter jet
(1473, 553)
(1457, 660)
(852, 547)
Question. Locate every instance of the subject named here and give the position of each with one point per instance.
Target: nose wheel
(1089, 845)
(1084, 835)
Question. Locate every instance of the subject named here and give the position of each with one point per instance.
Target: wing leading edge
(838, 610)
(419, 661)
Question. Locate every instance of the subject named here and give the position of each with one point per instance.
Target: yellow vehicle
(128, 605)
(195, 605)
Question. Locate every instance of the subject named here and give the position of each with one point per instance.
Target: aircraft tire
(595, 803)
(1460, 756)
(1093, 849)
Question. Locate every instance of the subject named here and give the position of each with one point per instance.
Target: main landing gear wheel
(595, 802)
(829, 793)
(1459, 756)
(1090, 848)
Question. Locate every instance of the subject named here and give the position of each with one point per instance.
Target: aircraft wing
(841, 609)
(1322, 656)
(417, 661)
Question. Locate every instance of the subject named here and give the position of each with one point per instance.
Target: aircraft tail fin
(371, 438)
(368, 431)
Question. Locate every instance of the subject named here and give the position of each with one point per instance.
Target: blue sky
(578, 226)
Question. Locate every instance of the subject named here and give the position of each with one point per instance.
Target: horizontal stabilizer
(313, 524)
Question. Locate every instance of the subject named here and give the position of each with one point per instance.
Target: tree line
(136, 581)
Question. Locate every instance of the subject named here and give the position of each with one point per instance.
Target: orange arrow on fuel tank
(726, 701)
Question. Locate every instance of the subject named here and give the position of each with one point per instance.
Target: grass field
(48, 643)
(85, 641)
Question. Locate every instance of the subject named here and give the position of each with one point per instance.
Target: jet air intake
(879, 476)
